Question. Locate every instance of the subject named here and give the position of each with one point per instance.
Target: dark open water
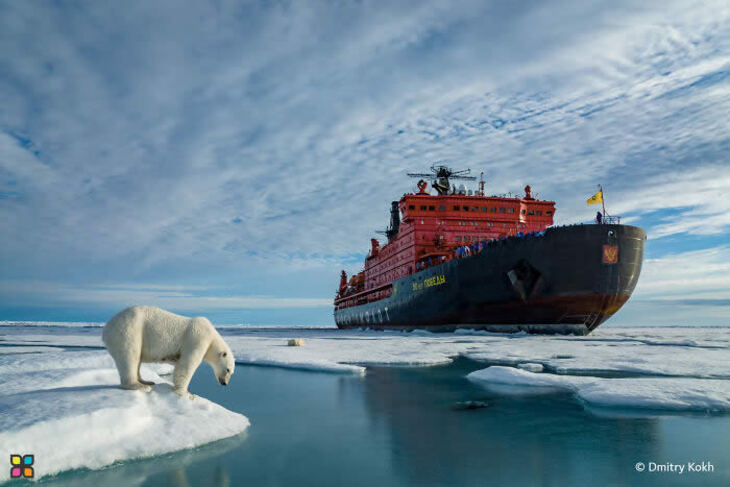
(401, 426)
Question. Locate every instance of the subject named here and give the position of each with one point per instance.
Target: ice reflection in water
(402, 426)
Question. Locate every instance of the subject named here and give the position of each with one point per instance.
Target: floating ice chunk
(665, 393)
(345, 352)
(499, 374)
(617, 356)
(81, 408)
(531, 367)
(307, 364)
(676, 394)
(98, 426)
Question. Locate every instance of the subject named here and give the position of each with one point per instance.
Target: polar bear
(148, 334)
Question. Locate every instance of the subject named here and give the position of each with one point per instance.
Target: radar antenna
(442, 174)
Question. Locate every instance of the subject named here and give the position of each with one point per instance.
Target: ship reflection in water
(410, 427)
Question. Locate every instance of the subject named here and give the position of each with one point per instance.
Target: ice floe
(531, 367)
(66, 408)
(27, 349)
(56, 324)
(676, 394)
(49, 397)
(69, 338)
(612, 366)
(626, 352)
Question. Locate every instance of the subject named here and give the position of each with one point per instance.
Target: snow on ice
(680, 394)
(684, 352)
(67, 408)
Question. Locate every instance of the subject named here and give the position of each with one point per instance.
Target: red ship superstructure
(434, 228)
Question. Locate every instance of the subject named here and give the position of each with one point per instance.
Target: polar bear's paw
(185, 394)
(137, 387)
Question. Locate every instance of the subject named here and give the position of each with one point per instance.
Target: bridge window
(474, 208)
(456, 207)
(493, 209)
(423, 207)
(442, 208)
(501, 210)
(484, 208)
(465, 208)
(548, 213)
(411, 207)
(523, 212)
(531, 212)
(431, 208)
(510, 210)
(458, 239)
(538, 212)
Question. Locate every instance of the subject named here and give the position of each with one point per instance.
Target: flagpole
(603, 202)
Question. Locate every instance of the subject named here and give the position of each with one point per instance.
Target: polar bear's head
(222, 360)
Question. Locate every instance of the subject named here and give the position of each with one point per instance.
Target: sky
(228, 159)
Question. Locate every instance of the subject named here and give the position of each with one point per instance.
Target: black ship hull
(568, 280)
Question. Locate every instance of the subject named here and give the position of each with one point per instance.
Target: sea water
(400, 426)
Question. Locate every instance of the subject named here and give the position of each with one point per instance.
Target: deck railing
(611, 220)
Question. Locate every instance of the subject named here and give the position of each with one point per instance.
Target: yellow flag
(596, 198)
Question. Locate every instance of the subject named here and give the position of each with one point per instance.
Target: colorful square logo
(21, 466)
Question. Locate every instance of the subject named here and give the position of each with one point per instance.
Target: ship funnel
(394, 221)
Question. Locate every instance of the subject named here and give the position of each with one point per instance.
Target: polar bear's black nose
(223, 382)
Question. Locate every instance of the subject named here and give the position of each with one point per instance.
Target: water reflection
(168, 470)
(548, 440)
(403, 427)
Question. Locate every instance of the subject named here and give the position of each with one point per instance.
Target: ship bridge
(426, 229)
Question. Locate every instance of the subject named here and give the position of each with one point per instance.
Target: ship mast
(603, 201)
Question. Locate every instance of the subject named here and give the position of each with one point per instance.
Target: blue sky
(229, 158)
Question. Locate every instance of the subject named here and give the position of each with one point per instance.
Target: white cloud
(696, 274)
(150, 135)
(177, 297)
